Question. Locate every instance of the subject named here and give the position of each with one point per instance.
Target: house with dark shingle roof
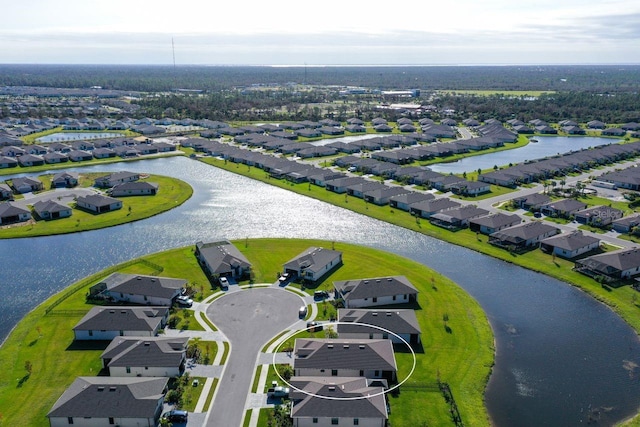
(65, 179)
(50, 209)
(563, 208)
(427, 208)
(404, 201)
(145, 357)
(381, 196)
(222, 258)
(569, 245)
(137, 188)
(401, 322)
(314, 263)
(375, 291)
(625, 224)
(492, 223)
(5, 192)
(616, 265)
(598, 216)
(107, 323)
(344, 358)
(349, 401)
(11, 213)
(532, 202)
(98, 203)
(138, 289)
(116, 178)
(26, 184)
(93, 401)
(456, 218)
(524, 235)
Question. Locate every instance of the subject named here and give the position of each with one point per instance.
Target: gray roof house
(625, 224)
(562, 208)
(375, 291)
(98, 203)
(26, 184)
(92, 401)
(344, 358)
(524, 235)
(138, 289)
(427, 208)
(598, 216)
(343, 401)
(492, 223)
(5, 192)
(532, 202)
(456, 218)
(401, 322)
(50, 209)
(615, 265)
(569, 245)
(404, 201)
(110, 180)
(314, 263)
(222, 258)
(107, 323)
(137, 188)
(65, 179)
(382, 196)
(11, 213)
(146, 357)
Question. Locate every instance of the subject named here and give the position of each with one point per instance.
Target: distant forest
(600, 79)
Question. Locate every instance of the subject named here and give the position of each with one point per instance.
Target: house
(375, 291)
(135, 289)
(113, 179)
(470, 188)
(222, 258)
(570, 245)
(427, 208)
(382, 196)
(345, 401)
(26, 185)
(5, 192)
(27, 160)
(532, 202)
(403, 323)
(11, 213)
(103, 401)
(404, 201)
(598, 216)
(55, 157)
(145, 357)
(98, 203)
(616, 265)
(626, 224)
(107, 323)
(344, 358)
(50, 209)
(8, 162)
(456, 218)
(136, 188)
(492, 223)
(314, 263)
(80, 156)
(65, 180)
(340, 185)
(522, 236)
(562, 208)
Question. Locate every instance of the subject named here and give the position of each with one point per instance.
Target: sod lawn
(460, 350)
(171, 193)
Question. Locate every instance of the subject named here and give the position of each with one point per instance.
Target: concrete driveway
(64, 196)
(249, 319)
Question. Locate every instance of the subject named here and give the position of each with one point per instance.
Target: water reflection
(559, 355)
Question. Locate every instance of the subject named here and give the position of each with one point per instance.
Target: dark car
(314, 326)
(176, 415)
(320, 295)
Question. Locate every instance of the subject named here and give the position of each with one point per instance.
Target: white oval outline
(413, 367)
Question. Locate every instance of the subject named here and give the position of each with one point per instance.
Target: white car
(184, 301)
(224, 282)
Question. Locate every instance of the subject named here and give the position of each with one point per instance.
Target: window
(334, 372)
(90, 333)
(394, 297)
(128, 370)
(361, 373)
(70, 420)
(111, 420)
(375, 299)
(356, 422)
(315, 421)
(121, 333)
(335, 421)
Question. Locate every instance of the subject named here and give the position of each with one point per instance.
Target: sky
(328, 32)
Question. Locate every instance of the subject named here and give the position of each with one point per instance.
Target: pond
(560, 354)
(546, 146)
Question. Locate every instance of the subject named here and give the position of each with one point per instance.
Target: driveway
(61, 195)
(249, 319)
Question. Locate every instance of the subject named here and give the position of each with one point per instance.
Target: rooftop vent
(147, 343)
(112, 388)
(100, 388)
(332, 388)
(361, 346)
(374, 314)
(330, 346)
(377, 281)
(345, 346)
(112, 311)
(388, 314)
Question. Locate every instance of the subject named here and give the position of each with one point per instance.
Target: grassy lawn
(171, 193)
(463, 357)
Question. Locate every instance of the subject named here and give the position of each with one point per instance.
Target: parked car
(176, 415)
(537, 215)
(224, 282)
(184, 301)
(278, 392)
(302, 312)
(314, 326)
(284, 277)
(320, 295)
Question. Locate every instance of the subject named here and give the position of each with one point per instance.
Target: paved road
(61, 195)
(249, 319)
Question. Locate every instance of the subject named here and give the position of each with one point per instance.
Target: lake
(559, 353)
(76, 136)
